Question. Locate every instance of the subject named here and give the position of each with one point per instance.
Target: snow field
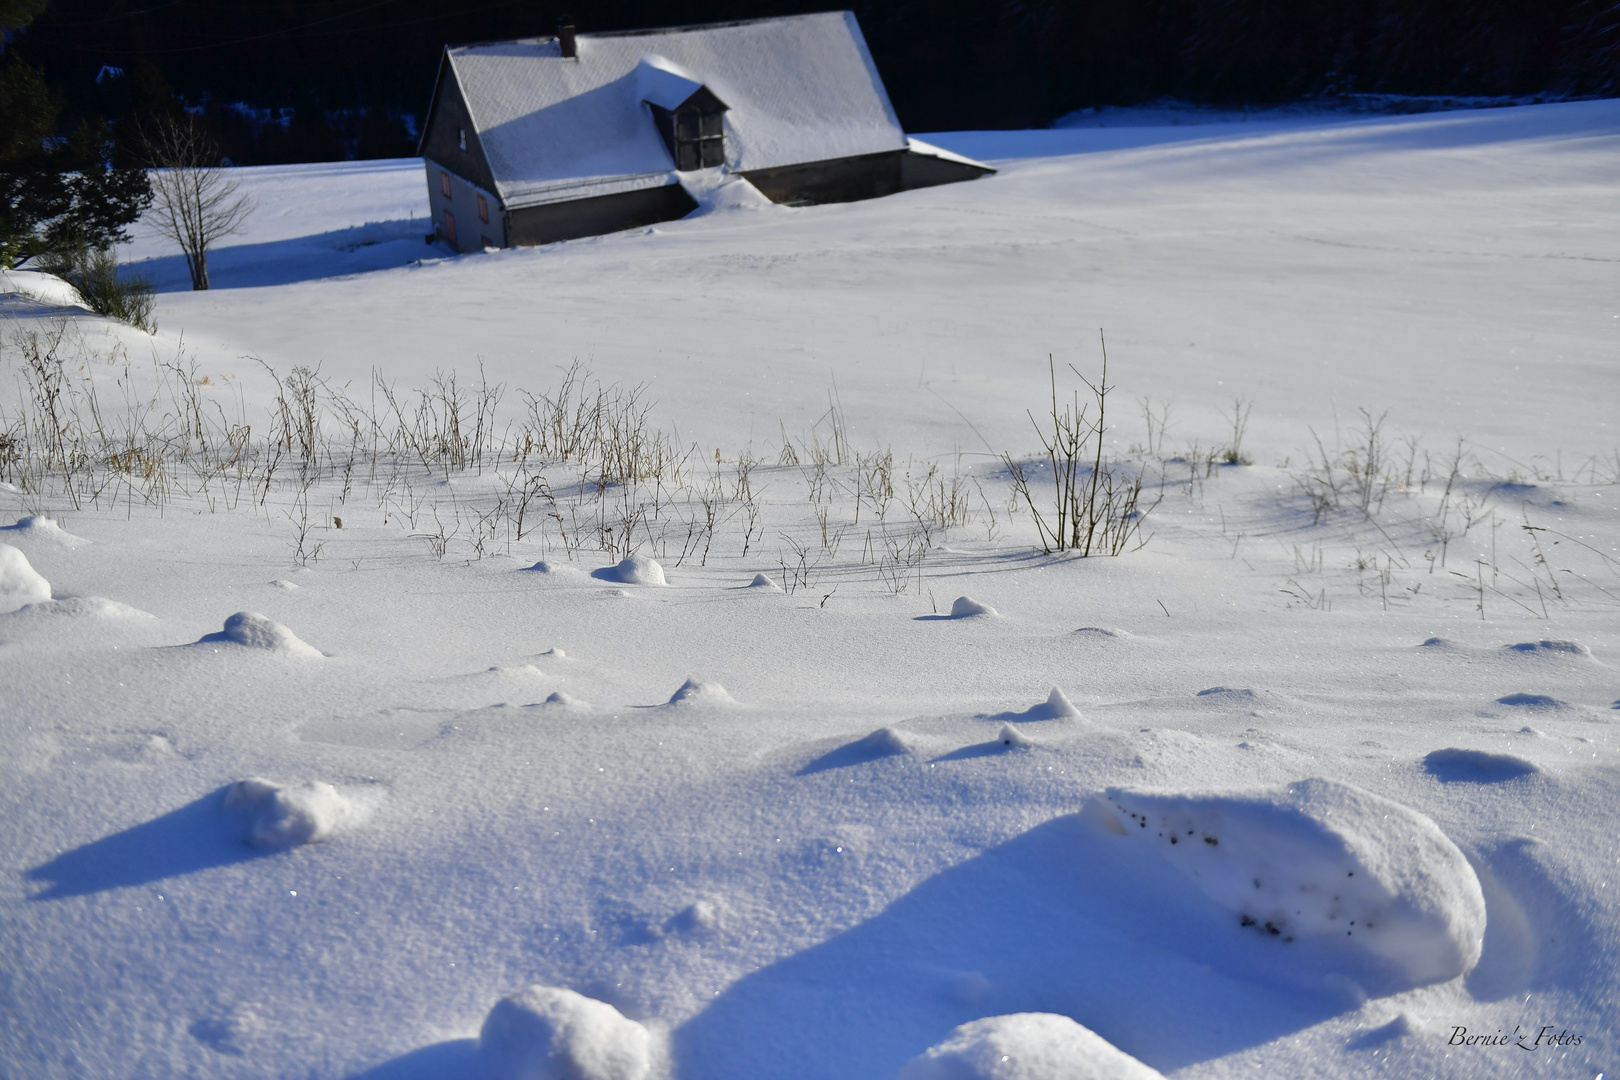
(855, 869)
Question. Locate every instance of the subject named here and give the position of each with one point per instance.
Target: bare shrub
(195, 201)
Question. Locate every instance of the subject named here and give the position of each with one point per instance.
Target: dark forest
(289, 80)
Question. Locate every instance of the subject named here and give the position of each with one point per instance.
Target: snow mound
(1531, 701)
(545, 566)
(716, 189)
(84, 607)
(1321, 860)
(696, 919)
(20, 583)
(38, 527)
(1437, 643)
(42, 287)
(1012, 737)
(279, 815)
(283, 583)
(547, 1033)
(1226, 693)
(1105, 634)
(762, 582)
(693, 692)
(1057, 707)
(1025, 1046)
(255, 631)
(884, 742)
(965, 607)
(636, 570)
(559, 700)
(1550, 648)
(1477, 766)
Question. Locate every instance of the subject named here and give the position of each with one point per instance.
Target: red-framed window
(444, 184)
(450, 228)
(483, 210)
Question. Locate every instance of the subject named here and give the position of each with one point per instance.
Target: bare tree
(194, 200)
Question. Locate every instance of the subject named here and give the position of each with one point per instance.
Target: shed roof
(798, 89)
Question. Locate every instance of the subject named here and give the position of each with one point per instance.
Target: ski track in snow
(396, 813)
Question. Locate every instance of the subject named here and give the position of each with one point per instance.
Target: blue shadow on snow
(456, 1059)
(197, 836)
(1058, 920)
(382, 245)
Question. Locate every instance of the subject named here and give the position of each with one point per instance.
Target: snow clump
(547, 1033)
(1546, 647)
(280, 815)
(1321, 860)
(39, 527)
(1025, 1046)
(1057, 707)
(884, 742)
(762, 582)
(1011, 737)
(693, 692)
(965, 606)
(257, 631)
(636, 570)
(20, 583)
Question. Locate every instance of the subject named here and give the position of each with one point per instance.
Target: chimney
(565, 38)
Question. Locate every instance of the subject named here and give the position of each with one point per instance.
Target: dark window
(450, 228)
(461, 138)
(483, 210)
(444, 184)
(694, 131)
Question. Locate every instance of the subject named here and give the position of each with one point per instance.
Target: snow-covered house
(544, 139)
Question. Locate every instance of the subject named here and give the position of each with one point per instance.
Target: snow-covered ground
(830, 820)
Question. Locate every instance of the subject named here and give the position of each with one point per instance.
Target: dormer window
(694, 131)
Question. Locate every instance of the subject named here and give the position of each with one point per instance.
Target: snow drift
(279, 815)
(255, 631)
(1025, 1046)
(1320, 860)
(547, 1033)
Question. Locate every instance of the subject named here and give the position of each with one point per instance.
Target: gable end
(450, 137)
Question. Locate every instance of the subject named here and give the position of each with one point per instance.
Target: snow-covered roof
(798, 89)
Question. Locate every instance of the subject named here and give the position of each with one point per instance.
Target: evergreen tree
(55, 192)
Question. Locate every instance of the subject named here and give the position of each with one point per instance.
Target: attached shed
(543, 139)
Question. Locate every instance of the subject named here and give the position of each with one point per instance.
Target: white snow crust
(1324, 860)
(548, 1033)
(1025, 1046)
